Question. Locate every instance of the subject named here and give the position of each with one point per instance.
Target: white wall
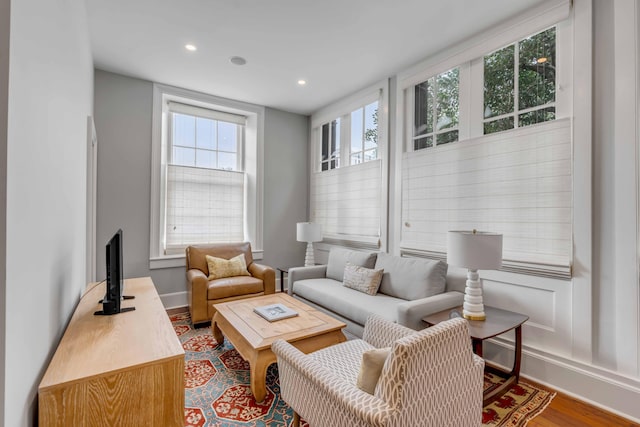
(5, 7)
(123, 111)
(50, 97)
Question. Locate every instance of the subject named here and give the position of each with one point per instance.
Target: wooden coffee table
(252, 336)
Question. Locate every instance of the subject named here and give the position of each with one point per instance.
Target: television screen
(111, 303)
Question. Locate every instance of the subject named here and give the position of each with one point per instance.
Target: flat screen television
(114, 294)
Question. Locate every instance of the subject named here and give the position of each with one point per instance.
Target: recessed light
(302, 82)
(237, 60)
(190, 47)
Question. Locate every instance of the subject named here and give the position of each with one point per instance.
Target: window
(359, 131)
(436, 110)
(472, 158)
(522, 96)
(364, 134)
(331, 145)
(205, 183)
(204, 200)
(347, 189)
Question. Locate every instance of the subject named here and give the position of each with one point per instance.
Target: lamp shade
(475, 250)
(309, 232)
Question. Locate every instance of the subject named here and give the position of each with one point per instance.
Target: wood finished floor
(566, 411)
(563, 411)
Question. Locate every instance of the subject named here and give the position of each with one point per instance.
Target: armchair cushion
(220, 268)
(371, 368)
(233, 286)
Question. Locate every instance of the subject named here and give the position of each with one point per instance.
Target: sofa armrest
(410, 313)
(266, 274)
(197, 290)
(380, 332)
(303, 273)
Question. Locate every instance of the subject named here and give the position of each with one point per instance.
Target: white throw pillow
(362, 279)
(371, 368)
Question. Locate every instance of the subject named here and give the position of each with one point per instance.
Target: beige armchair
(430, 378)
(204, 293)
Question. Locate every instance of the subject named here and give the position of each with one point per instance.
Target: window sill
(175, 261)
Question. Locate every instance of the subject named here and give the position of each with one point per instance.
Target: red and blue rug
(217, 391)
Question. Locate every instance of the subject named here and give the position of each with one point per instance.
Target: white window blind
(192, 110)
(346, 201)
(203, 206)
(517, 183)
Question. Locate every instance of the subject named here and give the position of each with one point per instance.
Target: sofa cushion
(371, 368)
(338, 258)
(234, 286)
(411, 278)
(348, 303)
(220, 268)
(362, 279)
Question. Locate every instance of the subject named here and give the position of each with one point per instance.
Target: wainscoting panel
(546, 301)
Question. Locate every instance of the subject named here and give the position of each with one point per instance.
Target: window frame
(252, 164)
(434, 107)
(342, 113)
(516, 112)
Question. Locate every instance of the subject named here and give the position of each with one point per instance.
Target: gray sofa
(411, 288)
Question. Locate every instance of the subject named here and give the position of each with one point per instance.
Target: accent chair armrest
(380, 332)
(266, 274)
(303, 273)
(410, 313)
(301, 376)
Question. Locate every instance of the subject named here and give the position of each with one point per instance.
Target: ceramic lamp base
(308, 257)
(473, 307)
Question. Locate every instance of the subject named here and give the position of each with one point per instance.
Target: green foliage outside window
(536, 81)
(436, 110)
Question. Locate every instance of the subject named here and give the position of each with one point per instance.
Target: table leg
(217, 333)
(259, 378)
(518, 355)
(477, 346)
(281, 280)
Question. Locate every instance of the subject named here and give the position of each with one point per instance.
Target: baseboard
(174, 300)
(597, 386)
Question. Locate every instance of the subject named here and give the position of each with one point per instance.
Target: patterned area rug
(217, 391)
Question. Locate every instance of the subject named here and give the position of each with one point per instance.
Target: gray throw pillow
(362, 279)
(411, 278)
(338, 258)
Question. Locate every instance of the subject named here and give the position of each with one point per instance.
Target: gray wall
(123, 111)
(50, 96)
(286, 174)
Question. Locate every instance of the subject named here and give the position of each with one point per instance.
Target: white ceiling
(337, 46)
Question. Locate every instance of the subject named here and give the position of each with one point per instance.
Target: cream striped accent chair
(430, 378)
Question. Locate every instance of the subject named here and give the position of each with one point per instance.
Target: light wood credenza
(120, 370)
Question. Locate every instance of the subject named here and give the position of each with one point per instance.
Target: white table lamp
(475, 250)
(309, 232)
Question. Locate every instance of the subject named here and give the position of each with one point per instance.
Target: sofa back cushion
(338, 258)
(411, 278)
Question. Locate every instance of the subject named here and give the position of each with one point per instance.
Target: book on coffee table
(273, 312)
